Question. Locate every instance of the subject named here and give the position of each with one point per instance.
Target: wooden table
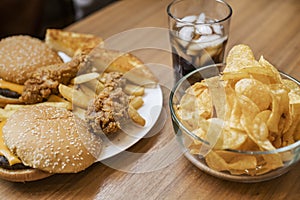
(271, 28)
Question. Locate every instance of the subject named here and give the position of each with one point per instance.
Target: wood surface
(270, 28)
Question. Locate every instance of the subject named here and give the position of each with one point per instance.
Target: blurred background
(33, 17)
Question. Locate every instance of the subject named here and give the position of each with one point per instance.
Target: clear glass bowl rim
(181, 126)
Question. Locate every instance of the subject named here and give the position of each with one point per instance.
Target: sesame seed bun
(50, 139)
(21, 55)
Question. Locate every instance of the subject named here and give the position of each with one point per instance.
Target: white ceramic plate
(132, 133)
(150, 111)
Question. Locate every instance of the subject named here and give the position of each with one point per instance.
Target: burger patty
(9, 93)
(5, 164)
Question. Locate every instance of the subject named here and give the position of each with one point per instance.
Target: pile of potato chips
(249, 107)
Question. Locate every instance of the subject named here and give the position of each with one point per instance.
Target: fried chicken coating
(110, 108)
(45, 80)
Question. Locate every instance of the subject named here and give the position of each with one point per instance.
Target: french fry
(99, 87)
(134, 90)
(95, 85)
(87, 91)
(136, 76)
(137, 102)
(55, 98)
(84, 78)
(74, 96)
(135, 116)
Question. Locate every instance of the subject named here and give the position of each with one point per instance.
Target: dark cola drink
(195, 45)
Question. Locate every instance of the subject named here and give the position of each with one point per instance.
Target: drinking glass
(199, 31)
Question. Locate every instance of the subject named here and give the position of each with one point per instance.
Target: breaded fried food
(110, 108)
(45, 81)
(70, 42)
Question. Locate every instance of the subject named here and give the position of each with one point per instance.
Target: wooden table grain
(270, 28)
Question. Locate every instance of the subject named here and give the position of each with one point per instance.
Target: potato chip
(249, 145)
(233, 110)
(294, 87)
(231, 78)
(201, 132)
(260, 132)
(280, 107)
(256, 91)
(216, 162)
(297, 132)
(242, 162)
(217, 95)
(276, 76)
(263, 75)
(199, 147)
(226, 161)
(197, 88)
(214, 133)
(249, 108)
(195, 104)
(273, 161)
(188, 113)
(231, 139)
(239, 57)
(295, 112)
(293, 134)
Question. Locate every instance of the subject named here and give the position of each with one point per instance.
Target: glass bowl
(290, 154)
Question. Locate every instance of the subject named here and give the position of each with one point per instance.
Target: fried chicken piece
(110, 108)
(45, 80)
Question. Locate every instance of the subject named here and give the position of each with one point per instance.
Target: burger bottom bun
(22, 175)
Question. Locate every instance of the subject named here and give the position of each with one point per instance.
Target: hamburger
(20, 56)
(39, 141)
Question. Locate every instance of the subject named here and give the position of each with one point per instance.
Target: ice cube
(217, 29)
(186, 33)
(201, 18)
(190, 18)
(205, 41)
(187, 19)
(203, 30)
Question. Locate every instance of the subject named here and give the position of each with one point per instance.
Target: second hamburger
(44, 140)
(19, 57)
